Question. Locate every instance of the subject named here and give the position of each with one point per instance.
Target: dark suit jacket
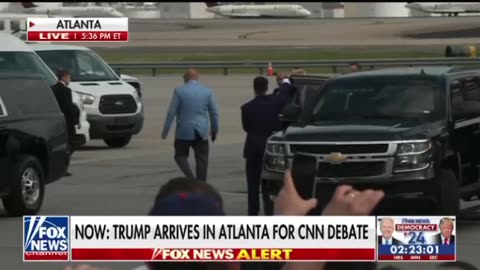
(63, 94)
(395, 241)
(438, 239)
(259, 121)
(286, 93)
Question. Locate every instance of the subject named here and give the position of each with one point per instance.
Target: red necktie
(446, 241)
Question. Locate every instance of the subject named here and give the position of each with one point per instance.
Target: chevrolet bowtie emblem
(336, 158)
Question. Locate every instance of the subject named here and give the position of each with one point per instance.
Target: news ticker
(77, 29)
(238, 238)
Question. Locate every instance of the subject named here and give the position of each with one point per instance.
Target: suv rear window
(25, 62)
(40, 96)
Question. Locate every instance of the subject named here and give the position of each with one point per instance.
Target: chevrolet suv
(412, 132)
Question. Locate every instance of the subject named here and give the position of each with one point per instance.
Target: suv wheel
(447, 193)
(117, 142)
(27, 188)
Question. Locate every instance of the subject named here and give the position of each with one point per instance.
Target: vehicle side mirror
(290, 113)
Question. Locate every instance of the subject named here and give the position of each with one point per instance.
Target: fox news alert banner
(416, 238)
(196, 238)
(77, 29)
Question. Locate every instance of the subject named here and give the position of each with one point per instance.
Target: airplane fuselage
(75, 11)
(259, 11)
(446, 7)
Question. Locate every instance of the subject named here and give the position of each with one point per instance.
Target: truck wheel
(447, 193)
(118, 142)
(27, 180)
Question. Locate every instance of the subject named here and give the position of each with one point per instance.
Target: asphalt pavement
(125, 181)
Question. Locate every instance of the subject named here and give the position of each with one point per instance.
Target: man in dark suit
(259, 121)
(387, 227)
(284, 94)
(285, 91)
(63, 94)
(445, 237)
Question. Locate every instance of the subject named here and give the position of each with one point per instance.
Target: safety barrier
(334, 65)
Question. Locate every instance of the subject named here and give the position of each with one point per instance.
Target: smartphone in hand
(304, 168)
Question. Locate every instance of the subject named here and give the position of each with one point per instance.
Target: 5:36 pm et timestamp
(99, 36)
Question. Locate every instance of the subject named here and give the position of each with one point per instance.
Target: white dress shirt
(387, 241)
(443, 240)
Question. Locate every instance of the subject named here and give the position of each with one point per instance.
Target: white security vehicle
(16, 56)
(114, 107)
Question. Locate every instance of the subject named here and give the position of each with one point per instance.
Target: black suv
(412, 132)
(33, 142)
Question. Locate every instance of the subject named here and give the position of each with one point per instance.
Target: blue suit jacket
(193, 104)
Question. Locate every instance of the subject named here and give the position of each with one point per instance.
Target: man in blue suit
(194, 106)
(259, 121)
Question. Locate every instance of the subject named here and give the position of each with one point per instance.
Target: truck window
(465, 93)
(86, 63)
(57, 60)
(306, 90)
(82, 65)
(395, 97)
(2, 25)
(14, 25)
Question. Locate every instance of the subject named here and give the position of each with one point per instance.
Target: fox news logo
(45, 238)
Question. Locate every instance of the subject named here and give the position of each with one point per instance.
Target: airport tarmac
(125, 181)
(325, 33)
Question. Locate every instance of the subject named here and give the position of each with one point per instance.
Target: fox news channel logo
(416, 238)
(45, 238)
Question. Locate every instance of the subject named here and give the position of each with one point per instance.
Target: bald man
(194, 106)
